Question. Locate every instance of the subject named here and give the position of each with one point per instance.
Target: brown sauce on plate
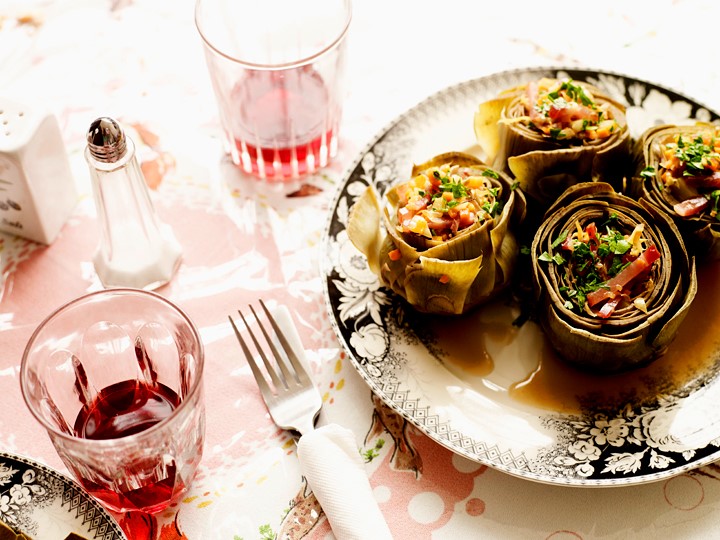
(463, 345)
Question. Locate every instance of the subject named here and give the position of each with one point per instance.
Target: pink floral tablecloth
(140, 61)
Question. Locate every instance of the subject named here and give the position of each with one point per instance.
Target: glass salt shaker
(136, 249)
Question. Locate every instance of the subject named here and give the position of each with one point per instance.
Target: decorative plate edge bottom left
(47, 505)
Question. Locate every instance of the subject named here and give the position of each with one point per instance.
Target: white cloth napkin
(330, 460)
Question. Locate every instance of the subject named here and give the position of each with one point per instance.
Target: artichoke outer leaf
(591, 351)
(486, 126)
(364, 229)
(668, 332)
(425, 289)
(585, 189)
(463, 159)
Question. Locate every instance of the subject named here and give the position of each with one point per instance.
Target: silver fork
(292, 399)
(325, 454)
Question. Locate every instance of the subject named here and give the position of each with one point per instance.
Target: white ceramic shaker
(136, 249)
(37, 190)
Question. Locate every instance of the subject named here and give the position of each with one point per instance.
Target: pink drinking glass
(277, 69)
(115, 377)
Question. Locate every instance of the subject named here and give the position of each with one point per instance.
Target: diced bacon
(615, 285)
(710, 181)
(691, 207)
(608, 307)
(438, 222)
(571, 112)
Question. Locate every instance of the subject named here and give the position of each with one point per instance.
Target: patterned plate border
(626, 446)
(28, 487)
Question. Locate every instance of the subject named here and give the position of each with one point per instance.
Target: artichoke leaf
(462, 159)
(667, 333)
(436, 285)
(611, 354)
(701, 231)
(363, 230)
(545, 164)
(443, 273)
(504, 245)
(585, 189)
(629, 336)
(485, 123)
(408, 253)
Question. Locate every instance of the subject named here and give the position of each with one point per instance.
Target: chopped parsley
(589, 260)
(695, 155)
(576, 92)
(648, 172)
(457, 188)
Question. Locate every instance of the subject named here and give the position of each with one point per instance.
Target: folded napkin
(330, 460)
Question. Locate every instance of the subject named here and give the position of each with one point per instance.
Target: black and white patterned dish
(45, 504)
(602, 444)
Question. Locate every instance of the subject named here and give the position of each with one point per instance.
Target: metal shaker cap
(106, 140)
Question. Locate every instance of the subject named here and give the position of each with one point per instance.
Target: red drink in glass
(115, 377)
(285, 125)
(278, 85)
(120, 410)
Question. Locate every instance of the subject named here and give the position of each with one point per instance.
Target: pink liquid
(124, 409)
(285, 128)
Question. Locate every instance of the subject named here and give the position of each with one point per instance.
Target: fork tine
(277, 381)
(300, 372)
(276, 354)
(259, 378)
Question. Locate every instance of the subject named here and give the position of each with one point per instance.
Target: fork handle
(331, 463)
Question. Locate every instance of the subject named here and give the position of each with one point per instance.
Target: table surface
(141, 62)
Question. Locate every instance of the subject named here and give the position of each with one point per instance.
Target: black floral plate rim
(31, 492)
(598, 448)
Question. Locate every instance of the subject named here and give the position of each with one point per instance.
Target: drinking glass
(277, 70)
(115, 377)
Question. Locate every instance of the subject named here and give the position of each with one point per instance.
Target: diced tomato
(395, 255)
(691, 207)
(466, 218)
(631, 271)
(592, 231)
(444, 278)
(403, 193)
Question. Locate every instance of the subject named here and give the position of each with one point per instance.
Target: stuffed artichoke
(444, 238)
(612, 278)
(551, 134)
(678, 171)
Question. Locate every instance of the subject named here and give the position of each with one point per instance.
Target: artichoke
(612, 277)
(551, 134)
(678, 172)
(444, 239)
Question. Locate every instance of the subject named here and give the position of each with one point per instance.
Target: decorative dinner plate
(47, 505)
(494, 391)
